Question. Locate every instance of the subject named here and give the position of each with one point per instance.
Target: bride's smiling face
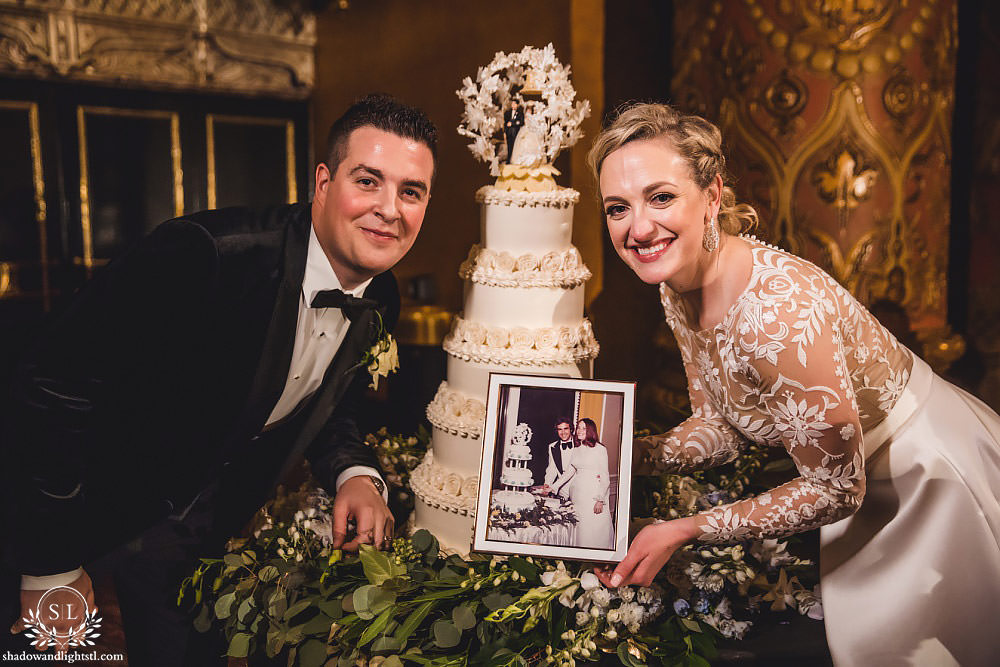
(656, 213)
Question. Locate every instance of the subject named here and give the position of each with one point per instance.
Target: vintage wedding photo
(556, 468)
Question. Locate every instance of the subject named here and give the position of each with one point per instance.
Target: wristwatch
(379, 484)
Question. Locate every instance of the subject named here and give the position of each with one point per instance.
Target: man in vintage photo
(193, 373)
(560, 457)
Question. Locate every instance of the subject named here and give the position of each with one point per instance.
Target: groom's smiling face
(368, 213)
(564, 430)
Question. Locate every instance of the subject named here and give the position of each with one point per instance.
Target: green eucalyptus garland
(286, 595)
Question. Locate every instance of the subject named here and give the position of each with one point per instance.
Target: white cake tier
(552, 269)
(437, 486)
(454, 532)
(535, 307)
(472, 378)
(456, 452)
(513, 501)
(518, 452)
(516, 476)
(454, 412)
(521, 346)
(526, 222)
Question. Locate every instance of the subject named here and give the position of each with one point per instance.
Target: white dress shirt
(318, 335)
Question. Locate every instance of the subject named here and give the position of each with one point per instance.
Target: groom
(560, 456)
(194, 372)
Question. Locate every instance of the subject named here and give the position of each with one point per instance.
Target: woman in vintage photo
(899, 467)
(589, 485)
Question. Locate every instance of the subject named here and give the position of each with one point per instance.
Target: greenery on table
(286, 594)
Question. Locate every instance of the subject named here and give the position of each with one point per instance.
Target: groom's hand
(30, 598)
(358, 499)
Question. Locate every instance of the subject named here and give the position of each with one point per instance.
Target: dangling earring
(710, 240)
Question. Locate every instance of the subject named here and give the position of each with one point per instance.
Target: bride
(899, 468)
(589, 483)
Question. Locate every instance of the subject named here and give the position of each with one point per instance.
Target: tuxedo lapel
(557, 456)
(276, 354)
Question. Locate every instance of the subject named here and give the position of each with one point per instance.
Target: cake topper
(522, 435)
(552, 116)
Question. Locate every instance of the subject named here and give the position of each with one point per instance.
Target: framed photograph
(556, 468)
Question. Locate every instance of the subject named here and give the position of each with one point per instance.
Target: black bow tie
(352, 306)
(566, 445)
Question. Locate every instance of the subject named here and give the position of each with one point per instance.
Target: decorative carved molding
(243, 46)
(836, 116)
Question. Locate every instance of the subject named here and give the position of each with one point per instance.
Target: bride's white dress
(899, 467)
(589, 482)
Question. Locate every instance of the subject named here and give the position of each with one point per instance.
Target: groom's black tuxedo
(159, 379)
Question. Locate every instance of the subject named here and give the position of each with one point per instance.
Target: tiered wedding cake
(523, 308)
(516, 476)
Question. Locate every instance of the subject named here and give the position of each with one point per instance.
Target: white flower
(582, 618)
(847, 432)
(614, 616)
(630, 613)
(601, 597)
(557, 578)
(386, 359)
(589, 581)
(626, 593)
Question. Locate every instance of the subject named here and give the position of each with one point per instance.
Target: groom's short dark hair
(385, 113)
(561, 420)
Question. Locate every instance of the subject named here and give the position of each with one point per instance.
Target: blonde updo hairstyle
(698, 141)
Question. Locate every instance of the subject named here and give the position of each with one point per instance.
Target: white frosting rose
(552, 262)
(546, 339)
(470, 408)
(475, 332)
(567, 338)
(572, 259)
(453, 484)
(487, 259)
(521, 338)
(473, 411)
(505, 262)
(526, 262)
(497, 337)
(453, 404)
(470, 487)
(437, 478)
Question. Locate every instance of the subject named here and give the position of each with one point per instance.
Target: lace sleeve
(805, 402)
(703, 440)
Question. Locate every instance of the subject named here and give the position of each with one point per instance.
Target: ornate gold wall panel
(837, 119)
(246, 46)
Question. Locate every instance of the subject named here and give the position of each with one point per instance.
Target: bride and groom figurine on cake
(578, 471)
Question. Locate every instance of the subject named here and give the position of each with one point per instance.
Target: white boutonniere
(383, 356)
(384, 359)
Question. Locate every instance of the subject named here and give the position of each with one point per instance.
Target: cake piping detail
(521, 346)
(456, 413)
(561, 198)
(501, 269)
(444, 489)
